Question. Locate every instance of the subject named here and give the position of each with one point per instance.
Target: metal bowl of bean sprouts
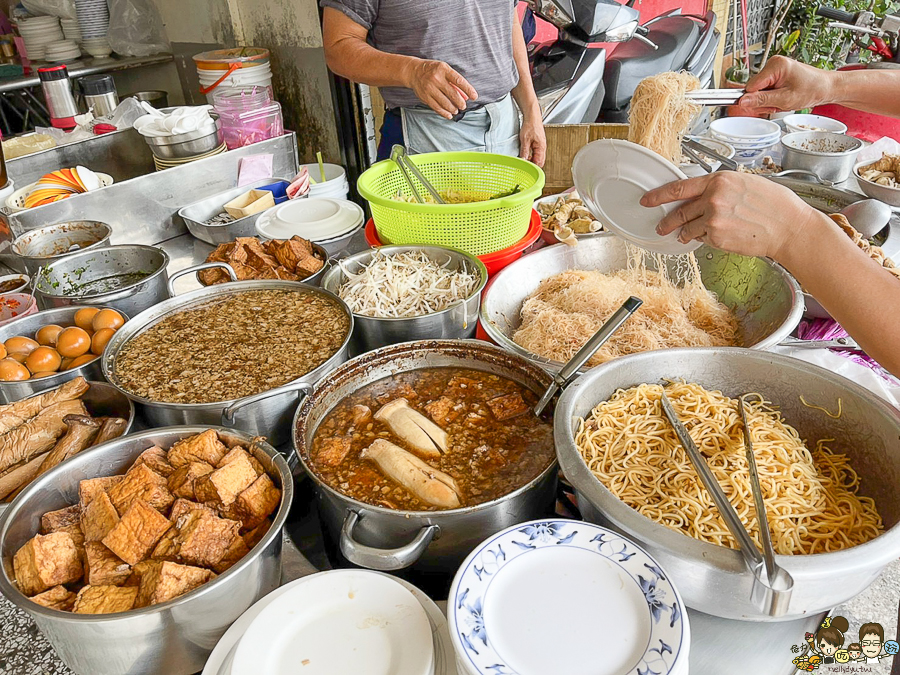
(403, 293)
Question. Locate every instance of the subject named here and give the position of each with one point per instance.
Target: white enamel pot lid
(612, 175)
(314, 218)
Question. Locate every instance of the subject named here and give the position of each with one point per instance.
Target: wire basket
(478, 227)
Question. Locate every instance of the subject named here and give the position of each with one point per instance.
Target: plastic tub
(494, 262)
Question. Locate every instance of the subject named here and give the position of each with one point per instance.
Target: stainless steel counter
(85, 66)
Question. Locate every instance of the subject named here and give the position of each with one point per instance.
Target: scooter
(883, 35)
(575, 81)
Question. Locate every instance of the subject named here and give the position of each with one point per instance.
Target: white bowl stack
(93, 19)
(38, 33)
(750, 137)
(63, 50)
(335, 185)
(71, 29)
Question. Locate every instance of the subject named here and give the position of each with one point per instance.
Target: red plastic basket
(494, 262)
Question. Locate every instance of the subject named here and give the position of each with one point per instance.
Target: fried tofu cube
(233, 554)
(135, 535)
(203, 538)
(53, 521)
(332, 451)
(103, 567)
(58, 597)
(508, 406)
(240, 451)
(105, 599)
(444, 410)
(223, 485)
(157, 460)
(45, 561)
(74, 531)
(181, 483)
(308, 266)
(166, 548)
(163, 581)
(258, 501)
(99, 518)
(254, 536)
(288, 252)
(137, 571)
(205, 447)
(90, 488)
(184, 506)
(141, 482)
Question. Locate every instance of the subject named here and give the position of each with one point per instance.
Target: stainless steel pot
(265, 414)
(764, 297)
(456, 322)
(58, 284)
(714, 579)
(828, 155)
(433, 541)
(188, 144)
(44, 246)
(27, 326)
(175, 637)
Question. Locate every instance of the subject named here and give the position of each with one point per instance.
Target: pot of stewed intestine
(420, 451)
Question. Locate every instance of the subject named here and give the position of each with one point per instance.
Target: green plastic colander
(477, 227)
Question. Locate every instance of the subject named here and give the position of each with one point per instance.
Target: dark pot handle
(383, 559)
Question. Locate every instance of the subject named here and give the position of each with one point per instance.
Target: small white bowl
(884, 193)
(23, 280)
(745, 129)
(803, 122)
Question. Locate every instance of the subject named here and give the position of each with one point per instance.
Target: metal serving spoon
(867, 216)
(772, 584)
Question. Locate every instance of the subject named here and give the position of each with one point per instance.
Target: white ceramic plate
(611, 176)
(316, 219)
(563, 596)
(219, 662)
(343, 621)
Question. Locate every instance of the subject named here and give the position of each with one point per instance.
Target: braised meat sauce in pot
(433, 439)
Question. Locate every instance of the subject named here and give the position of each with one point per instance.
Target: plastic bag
(136, 28)
(65, 9)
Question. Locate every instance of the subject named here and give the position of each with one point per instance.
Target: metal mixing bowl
(174, 637)
(828, 155)
(189, 144)
(764, 297)
(45, 246)
(714, 579)
(455, 322)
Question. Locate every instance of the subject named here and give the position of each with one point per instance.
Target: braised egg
(43, 359)
(84, 317)
(13, 371)
(108, 318)
(72, 342)
(100, 339)
(20, 345)
(81, 360)
(47, 335)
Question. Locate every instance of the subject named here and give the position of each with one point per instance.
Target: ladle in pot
(573, 365)
(772, 584)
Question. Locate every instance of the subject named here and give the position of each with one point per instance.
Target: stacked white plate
(93, 18)
(331, 623)
(563, 596)
(71, 29)
(63, 50)
(38, 33)
(97, 47)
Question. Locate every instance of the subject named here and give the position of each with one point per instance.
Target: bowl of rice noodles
(546, 305)
(826, 451)
(404, 293)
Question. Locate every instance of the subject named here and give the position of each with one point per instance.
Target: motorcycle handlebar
(835, 14)
(642, 30)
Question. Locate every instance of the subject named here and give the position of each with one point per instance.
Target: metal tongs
(573, 365)
(772, 584)
(398, 154)
(714, 97)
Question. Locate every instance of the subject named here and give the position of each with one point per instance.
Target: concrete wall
(290, 30)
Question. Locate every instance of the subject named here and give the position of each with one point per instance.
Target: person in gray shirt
(455, 72)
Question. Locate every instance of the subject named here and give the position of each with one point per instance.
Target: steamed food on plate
(811, 495)
(402, 285)
(292, 259)
(567, 309)
(39, 432)
(170, 524)
(234, 346)
(433, 439)
(58, 348)
(886, 171)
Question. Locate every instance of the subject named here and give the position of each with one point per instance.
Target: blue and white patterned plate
(564, 596)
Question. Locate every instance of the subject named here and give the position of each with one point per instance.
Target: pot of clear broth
(420, 451)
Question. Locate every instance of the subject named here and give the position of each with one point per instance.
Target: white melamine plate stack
(98, 47)
(93, 19)
(71, 29)
(38, 33)
(63, 50)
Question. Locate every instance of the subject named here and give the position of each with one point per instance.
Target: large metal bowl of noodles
(766, 300)
(712, 578)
